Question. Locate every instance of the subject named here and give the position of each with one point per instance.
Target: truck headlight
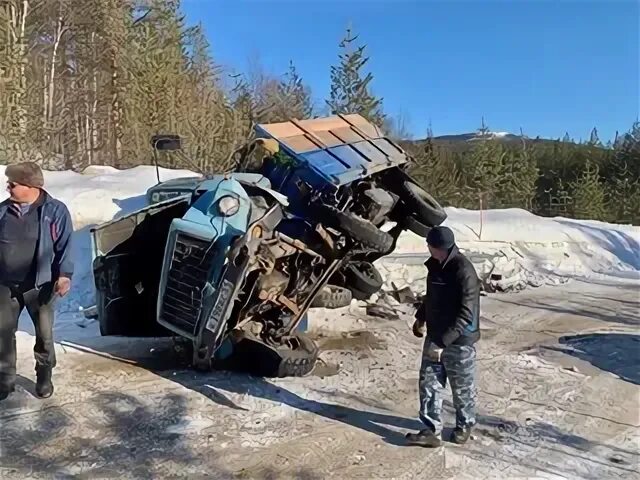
(228, 206)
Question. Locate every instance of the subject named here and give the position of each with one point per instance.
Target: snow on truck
(233, 262)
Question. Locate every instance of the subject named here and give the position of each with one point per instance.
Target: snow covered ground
(558, 370)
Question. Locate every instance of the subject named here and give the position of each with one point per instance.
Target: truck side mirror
(166, 142)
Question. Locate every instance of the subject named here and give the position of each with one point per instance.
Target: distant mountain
(470, 137)
(463, 142)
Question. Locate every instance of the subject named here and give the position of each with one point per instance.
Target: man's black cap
(441, 237)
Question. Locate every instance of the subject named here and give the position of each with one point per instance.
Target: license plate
(226, 289)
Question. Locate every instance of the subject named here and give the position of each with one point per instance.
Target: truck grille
(182, 300)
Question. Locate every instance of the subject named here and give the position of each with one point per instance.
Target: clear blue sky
(545, 66)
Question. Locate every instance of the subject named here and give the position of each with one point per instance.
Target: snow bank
(99, 194)
(525, 248)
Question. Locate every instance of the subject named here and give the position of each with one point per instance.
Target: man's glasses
(12, 185)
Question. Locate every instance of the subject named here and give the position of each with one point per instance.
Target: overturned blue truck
(232, 263)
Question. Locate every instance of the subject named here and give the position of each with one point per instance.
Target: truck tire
(425, 208)
(360, 230)
(300, 360)
(294, 359)
(332, 296)
(416, 227)
(360, 295)
(363, 278)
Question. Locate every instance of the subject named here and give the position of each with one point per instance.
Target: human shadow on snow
(119, 436)
(372, 422)
(162, 358)
(536, 434)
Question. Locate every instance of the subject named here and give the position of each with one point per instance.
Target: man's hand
(63, 285)
(433, 352)
(419, 328)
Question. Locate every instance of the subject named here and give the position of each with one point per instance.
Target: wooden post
(481, 211)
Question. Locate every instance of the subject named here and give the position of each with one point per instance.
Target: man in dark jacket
(35, 267)
(449, 315)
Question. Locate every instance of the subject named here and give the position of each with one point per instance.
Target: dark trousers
(39, 303)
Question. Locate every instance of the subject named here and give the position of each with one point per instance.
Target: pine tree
(484, 170)
(430, 130)
(519, 177)
(589, 194)
(627, 150)
(294, 97)
(624, 178)
(483, 131)
(624, 192)
(350, 92)
(594, 139)
(437, 175)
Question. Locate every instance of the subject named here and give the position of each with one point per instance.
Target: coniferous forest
(88, 82)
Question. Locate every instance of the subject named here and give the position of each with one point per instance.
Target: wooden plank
(299, 143)
(282, 130)
(360, 122)
(357, 129)
(329, 139)
(318, 141)
(347, 134)
(322, 124)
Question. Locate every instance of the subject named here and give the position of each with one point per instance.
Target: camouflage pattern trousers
(458, 365)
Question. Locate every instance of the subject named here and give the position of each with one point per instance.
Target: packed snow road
(559, 375)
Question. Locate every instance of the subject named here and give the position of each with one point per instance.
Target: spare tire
(363, 278)
(359, 229)
(425, 208)
(332, 296)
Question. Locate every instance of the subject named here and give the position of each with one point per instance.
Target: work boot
(460, 435)
(424, 438)
(6, 391)
(44, 387)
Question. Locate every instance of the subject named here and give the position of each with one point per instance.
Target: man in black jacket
(450, 316)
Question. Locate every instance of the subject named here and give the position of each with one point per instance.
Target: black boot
(460, 435)
(44, 387)
(424, 438)
(6, 391)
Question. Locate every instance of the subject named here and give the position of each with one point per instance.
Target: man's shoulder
(4, 207)
(462, 263)
(58, 208)
(55, 203)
